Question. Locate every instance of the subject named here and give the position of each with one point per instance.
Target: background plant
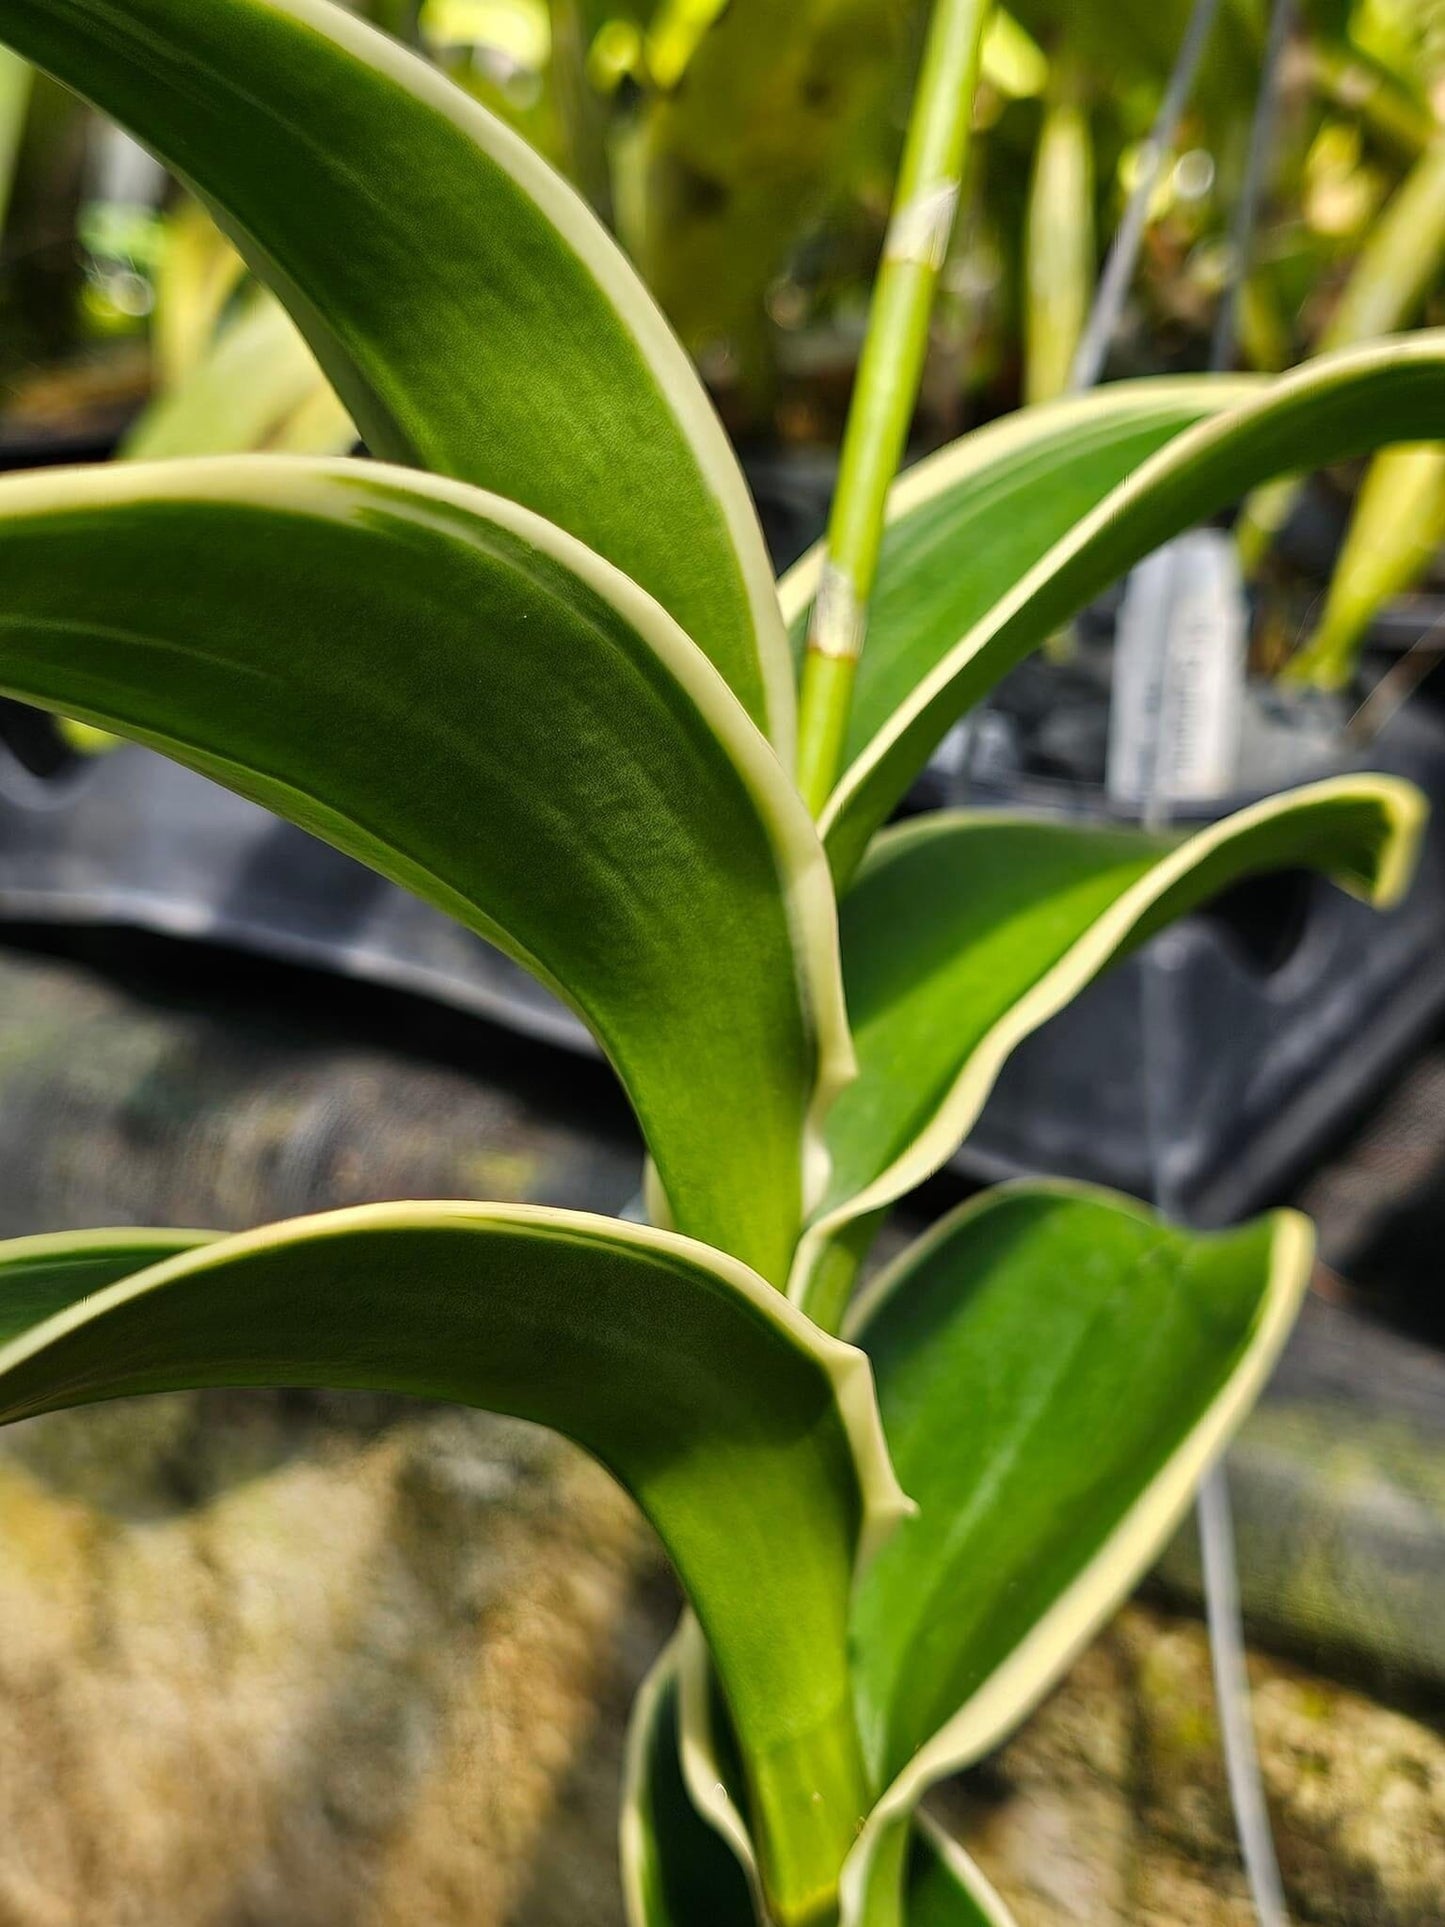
(532, 665)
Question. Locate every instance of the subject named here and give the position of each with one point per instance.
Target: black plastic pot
(1214, 1066)
(131, 839)
(1240, 1041)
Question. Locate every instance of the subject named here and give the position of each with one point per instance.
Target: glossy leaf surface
(465, 699)
(755, 1451)
(47, 1274)
(1342, 405)
(964, 932)
(676, 1870)
(470, 311)
(1056, 1368)
(243, 392)
(965, 524)
(679, 1872)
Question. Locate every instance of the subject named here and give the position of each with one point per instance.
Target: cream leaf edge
(969, 458)
(632, 1831)
(337, 489)
(636, 311)
(1331, 374)
(687, 1656)
(697, 1752)
(1018, 1684)
(966, 1871)
(847, 1370)
(1404, 811)
(75, 1244)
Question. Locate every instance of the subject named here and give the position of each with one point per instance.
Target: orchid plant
(531, 664)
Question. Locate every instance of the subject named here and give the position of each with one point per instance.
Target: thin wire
(1225, 1616)
(1220, 1567)
(1118, 273)
(1246, 211)
(1399, 683)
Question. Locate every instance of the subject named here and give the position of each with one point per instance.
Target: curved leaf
(945, 1888)
(1341, 405)
(907, 1872)
(15, 80)
(965, 524)
(44, 1275)
(755, 1451)
(470, 311)
(243, 390)
(965, 931)
(676, 1870)
(461, 696)
(1056, 1368)
(913, 1875)
(678, 1775)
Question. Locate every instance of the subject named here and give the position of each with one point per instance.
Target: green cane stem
(889, 372)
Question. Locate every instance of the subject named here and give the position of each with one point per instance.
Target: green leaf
(241, 393)
(911, 1874)
(964, 931)
(464, 698)
(1056, 1367)
(45, 1275)
(907, 1872)
(754, 113)
(15, 80)
(755, 1451)
(1342, 405)
(470, 311)
(1395, 531)
(945, 1888)
(965, 524)
(676, 1870)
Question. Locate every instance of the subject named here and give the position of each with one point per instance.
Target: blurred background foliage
(744, 154)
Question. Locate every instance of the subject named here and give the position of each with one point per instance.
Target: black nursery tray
(130, 838)
(1270, 1019)
(1240, 1040)
(1214, 1065)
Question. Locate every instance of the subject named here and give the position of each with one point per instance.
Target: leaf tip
(1406, 813)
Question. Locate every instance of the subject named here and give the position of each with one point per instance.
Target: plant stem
(1391, 277)
(15, 79)
(886, 390)
(1400, 261)
(1059, 256)
(1395, 530)
(1361, 87)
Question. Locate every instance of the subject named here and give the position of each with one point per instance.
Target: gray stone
(294, 1660)
(311, 1660)
(1110, 1807)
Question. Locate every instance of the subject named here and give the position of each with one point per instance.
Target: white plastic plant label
(1177, 703)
